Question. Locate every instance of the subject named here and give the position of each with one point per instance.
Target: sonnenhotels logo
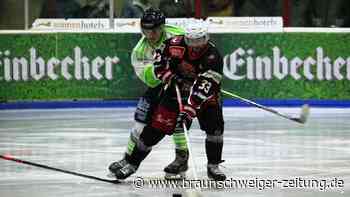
(71, 24)
(43, 24)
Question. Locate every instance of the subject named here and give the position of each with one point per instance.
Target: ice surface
(258, 146)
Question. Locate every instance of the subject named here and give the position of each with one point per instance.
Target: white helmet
(196, 32)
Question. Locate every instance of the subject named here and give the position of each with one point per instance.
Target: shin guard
(213, 149)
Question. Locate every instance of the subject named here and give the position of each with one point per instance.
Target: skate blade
(111, 175)
(172, 176)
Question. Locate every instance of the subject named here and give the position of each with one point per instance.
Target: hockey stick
(11, 158)
(301, 119)
(179, 100)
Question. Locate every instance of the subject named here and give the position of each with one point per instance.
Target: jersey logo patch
(177, 51)
(164, 119)
(176, 40)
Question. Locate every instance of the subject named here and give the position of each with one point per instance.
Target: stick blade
(6, 156)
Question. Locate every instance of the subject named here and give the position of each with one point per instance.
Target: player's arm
(205, 87)
(169, 59)
(143, 66)
(207, 84)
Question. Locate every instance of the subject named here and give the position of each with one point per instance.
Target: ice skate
(215, 173)
(115, 166)
(122, 169)
(125, 171)
(177, 169)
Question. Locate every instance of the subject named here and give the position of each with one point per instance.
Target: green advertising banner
(66, 66)
(79, 66)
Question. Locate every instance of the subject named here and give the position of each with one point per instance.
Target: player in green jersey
(145, 53)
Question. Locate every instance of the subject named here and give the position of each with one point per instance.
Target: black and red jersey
(188, 64)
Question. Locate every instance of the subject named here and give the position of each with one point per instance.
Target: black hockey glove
(186, 116)
(164, 73)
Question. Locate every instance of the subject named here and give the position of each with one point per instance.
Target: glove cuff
(163, 73)
(193, 103)
(190, 110)
(166, 76)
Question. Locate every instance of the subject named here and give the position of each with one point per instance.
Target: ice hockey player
(195, 65)
(144, 54)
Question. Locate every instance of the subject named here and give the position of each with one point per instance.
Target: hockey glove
(186, 116)
(164, 73)
(205, 87)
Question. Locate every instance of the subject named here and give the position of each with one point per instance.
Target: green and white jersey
(142, 57)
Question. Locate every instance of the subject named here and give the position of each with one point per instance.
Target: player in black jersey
(195, 65)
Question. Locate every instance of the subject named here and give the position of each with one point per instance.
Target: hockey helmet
(152, 18)
(196, 32)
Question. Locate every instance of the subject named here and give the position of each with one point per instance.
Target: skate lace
(121, 163)
(128, 169)
(215, 169)
(118, 165)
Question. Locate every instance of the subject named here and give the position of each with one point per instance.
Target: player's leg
(177, 168)
(162, 122)
(211, 121)
(134, 139)
(137, 151)
(142, 116)
(146, 105)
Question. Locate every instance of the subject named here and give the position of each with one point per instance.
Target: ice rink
(311, 160)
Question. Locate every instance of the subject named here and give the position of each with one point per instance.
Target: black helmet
(152, 18)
